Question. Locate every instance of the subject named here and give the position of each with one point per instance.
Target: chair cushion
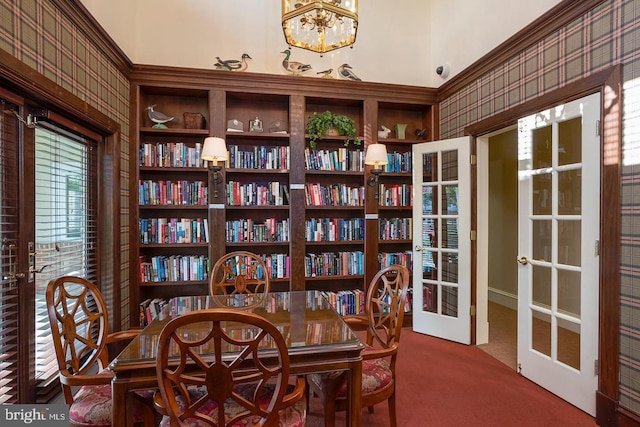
(293, 416)
(376, 374)
(92, 406)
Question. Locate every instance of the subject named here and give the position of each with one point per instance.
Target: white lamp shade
(214, 149)
(376, 155)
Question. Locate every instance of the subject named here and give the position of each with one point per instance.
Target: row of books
(396, 195)
(333, 195)
(171, 155)
(405, 258)
(334, 229)
(260, 157)
(174, 230)
(341, 160)
(249, 230)
(348, 302)
(257, 194)
(150, 309)
(164, 192)
(334, 264)
(174, 268)
(399, 162)
(395, 228)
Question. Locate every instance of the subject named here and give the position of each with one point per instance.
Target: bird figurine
(295, 68)
(345, 71)
(159, 118)
(326, 74)
(233, 64)
(420, 133)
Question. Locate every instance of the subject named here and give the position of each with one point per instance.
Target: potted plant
(322, 124)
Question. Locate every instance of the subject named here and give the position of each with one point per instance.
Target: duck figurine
(326, 74)
(295, 68)
(159, 118)
(233, 64)
(346, 72)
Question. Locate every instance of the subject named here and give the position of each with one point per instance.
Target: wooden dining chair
(211, 372)
(239, 279)
(384, 307)
(80, 331)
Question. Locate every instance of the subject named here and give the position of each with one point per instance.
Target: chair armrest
(122, 335)
(80, 380)
(358, 321)
(378, 353)
(297, 393)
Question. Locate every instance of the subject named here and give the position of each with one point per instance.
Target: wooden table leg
(355, 394)
(119, 404)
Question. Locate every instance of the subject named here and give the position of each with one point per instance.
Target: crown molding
(554, 19)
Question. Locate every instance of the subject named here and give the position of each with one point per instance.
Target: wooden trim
(608, 83)
(557, 17)
(89, 26)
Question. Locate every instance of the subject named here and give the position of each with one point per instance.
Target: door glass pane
(569, 192)
(541, 332)
(449, 267)
(429, 200)
(569, 242)
(429, 233)
(541, 286)
(429, 266)
(541, 239)
(449, 301)
(430, 167)
(569, 292)
(450, 233)
(430, 298)
(570, 141)
(541, 194)
(541, 147)
(569, 343)
(449, 200)
(450, 165)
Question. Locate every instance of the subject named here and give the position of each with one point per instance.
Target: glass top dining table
(317, 338)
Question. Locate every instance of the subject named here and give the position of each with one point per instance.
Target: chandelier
(320, 26)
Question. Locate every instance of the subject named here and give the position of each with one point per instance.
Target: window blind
(65, 226)
(8, 239)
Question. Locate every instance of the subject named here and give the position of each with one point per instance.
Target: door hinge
(597, 247)
(597, 127)
(473, 235)
(473, 160)
(596, 367)
(472, 310)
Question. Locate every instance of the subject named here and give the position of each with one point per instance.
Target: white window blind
(65, 225)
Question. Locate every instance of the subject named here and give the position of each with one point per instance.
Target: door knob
(523, 260)
(418, 248)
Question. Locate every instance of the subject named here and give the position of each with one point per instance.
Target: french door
(441, 238)
(48, 196)
(558, 232)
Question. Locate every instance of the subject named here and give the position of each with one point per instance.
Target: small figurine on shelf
(421, 133)
(159, 118)
(295, 68)
(347, 73)
(384, 133)
(326, 74)
(232, 64)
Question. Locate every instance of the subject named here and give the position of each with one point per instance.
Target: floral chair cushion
(92, 406)
(293, 416)
(376, 374)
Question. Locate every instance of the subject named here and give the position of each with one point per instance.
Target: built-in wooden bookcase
(302, 208)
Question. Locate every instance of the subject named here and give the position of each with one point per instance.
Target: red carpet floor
(441, 383)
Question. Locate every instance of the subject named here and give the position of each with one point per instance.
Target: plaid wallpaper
(607, 35)
(39, 35)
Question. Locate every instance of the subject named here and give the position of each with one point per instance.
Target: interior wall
(603, 37)
(503, 218)
(399, 43)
